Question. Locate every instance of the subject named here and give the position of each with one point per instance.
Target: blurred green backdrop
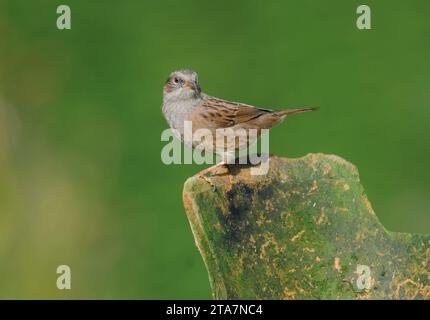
(81, 180)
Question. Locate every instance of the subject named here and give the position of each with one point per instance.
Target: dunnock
(184, 101)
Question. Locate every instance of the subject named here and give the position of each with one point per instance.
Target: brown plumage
(183, 101)
(219, 113)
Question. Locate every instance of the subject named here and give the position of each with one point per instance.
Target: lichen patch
(297, 236)
(337, 266)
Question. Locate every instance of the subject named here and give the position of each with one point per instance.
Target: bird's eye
(175, 80)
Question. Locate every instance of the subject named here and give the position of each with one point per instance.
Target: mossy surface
(303, 231)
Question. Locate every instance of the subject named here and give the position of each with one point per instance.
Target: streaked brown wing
(223, 114)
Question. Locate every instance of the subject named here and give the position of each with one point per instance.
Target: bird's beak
(189, 85)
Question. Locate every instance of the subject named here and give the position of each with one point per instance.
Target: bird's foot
(212, 170)
(202, 175)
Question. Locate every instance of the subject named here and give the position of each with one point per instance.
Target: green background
(81, 180)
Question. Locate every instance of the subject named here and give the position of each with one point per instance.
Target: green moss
(300, 232)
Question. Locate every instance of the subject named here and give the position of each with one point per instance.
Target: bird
(183, 100)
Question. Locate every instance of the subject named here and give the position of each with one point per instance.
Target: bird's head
(181, 85)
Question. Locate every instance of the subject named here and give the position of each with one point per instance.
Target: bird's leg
(226, 158)
(202, 175)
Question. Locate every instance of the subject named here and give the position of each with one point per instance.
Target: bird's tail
(287, 112)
